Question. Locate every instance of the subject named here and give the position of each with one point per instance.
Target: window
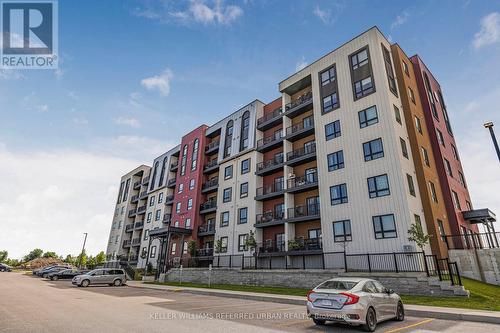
(342, 231)
(441, 229)
(190, 204)
(397, 114)
(418, 125)
(181, 188)
(178, 207)
(174, 247)
(328, 76)
(224, 219)
(411, 186)
(373, 149)
(223, 242)
(332, 130)
(368, 117)
(191, 184)
(228, 172)
(425, 156)
(229, 139)
(440, 137)
(153, 252)
(456, 200)
(243, 190)
(462, 179)
(122, 210)
(417, 219)
(447, 166)
(176, 224)
(330, 102)
(445, 113)
(384, 226)
(245, 126)
(431, 96)
(194, 157)
(153, 179)
(338, 194)
(149, 217)
(245, 166)
(432, 189)
(314, 233)
(160, 198)
(404, 149)
(405, 68)
(146, 234)
(359, 59)
(363, 87)
(125, 193)
(152, 201)
(185, 247)
(242, 239)
(120, 192)
(157, 214)
(243, 215)
(187, 224)
(163, 168)
(226, 197)
(184, 160)
(335, 160)
(455, 152)
(412, 95)
(378, 186)
(389, 70)
(469, 205)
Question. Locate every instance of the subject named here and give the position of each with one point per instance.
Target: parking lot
(30, 304)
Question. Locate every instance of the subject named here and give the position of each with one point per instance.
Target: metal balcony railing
(299, 101)
(205, 252)
(269, 217)
(129, 227)
(270, 189)
(303, 181)
(269, 140)
(211, 183)
(307, 123)
(301, 152)
(132, 212)
(204, 228)
(145, 180)
(136, 241)
(174, 166)
(138, 225)
(212, 145)
(169, 199)
(305, 244)
(270, 246)
(211, 164)
(262, 166)
(208, 205)
(141, 209)
(167, 218)
(127, 243)
(310, 210)
(171, 182)
(275, 114)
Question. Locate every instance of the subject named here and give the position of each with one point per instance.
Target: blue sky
(135, 75)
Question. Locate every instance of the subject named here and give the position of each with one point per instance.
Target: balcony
(269, 219)
(138, 225)
(211, 166)
(210, 186)
(145, 180)
(270, 166)
(204, 252)
(171, 182)
(137, 185)
(167, 218)
(303, 183)
(129, 227)
(270, 142)
(141, 210)
(136, 242)
(305, 245)
(169, 199)
(301, 130)
(270, 191)
(301, 155)
(174, 166)
(127, 243)
(133, 259)
(303, 213)
(270, 120)
(132, 212)
(300, 105)
(270, 247)
(134, 198)
(143, 195)
(208, 207)
(206, 229)
(212, 147)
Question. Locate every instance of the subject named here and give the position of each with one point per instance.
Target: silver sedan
(354, 301)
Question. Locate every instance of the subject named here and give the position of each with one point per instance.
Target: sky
(135, 75)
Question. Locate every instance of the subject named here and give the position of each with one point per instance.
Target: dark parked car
(45, 272)
(65, 274)
(35, 271)
(5, 268)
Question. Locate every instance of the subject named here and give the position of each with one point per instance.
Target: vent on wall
(408, 248)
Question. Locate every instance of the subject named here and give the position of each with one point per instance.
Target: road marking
(410, 326)
(219, 306)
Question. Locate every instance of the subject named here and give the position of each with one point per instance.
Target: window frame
(378, 192)
(346, 236)
(382, 229)
(367, 122)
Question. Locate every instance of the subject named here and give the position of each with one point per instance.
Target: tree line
(82, 259)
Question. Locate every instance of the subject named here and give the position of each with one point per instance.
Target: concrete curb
(491, 317)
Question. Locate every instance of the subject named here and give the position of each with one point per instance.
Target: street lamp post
(83, 251)
(489, 126)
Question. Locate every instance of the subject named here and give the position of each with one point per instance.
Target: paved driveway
(29, 304)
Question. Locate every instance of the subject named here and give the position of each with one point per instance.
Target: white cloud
(10, 74)
(490, 31)
(323, 15)
(128, 121)
(301, 64)
(42, 108)
(400, 19)
(161, 82)
(80, 121)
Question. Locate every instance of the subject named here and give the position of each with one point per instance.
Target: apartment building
(346, 160)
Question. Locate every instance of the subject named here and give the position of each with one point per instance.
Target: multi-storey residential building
(345, 161)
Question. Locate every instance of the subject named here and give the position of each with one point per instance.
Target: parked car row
(83, 278)
(5, 268)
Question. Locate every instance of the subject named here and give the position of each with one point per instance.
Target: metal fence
(472, 241)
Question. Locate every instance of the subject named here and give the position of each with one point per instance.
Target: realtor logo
(29, 35)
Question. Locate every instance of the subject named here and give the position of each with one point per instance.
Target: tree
(218, 246)
(91, 262)
(70, 260)
(417, 235)
(81, 260)
(50, 254)
(250, 242)
(100, 258)
(3, 255)
(192, 248)
(36, 253)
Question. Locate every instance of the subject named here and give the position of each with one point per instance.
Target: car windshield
(338, 285)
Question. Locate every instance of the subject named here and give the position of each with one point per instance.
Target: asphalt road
(29, 304)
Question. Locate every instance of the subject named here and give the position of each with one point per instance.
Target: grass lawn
(483, 296)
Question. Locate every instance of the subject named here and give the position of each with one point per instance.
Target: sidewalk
(492, 317)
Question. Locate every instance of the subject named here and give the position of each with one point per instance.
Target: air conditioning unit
(408, 248)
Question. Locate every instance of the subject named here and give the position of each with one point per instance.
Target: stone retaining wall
(481, 264)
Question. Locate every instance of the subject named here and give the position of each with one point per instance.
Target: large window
(120, 193)
(418, 124)
(245, 130)
(243, 215)
(342, 231)
(245, 166)
(373, 149)
(330, 102)
(335, 160)
(226, 197)
(242, 240)
(389, 70)
(243, 190)
(194, 158)
(404, 149)
(440, 137)
(332, 130)
(432, 189)
(368, 117)
(223, 242)
(425, 156)
(338, 194)
(151, 200)
(363, 87)
(178, 207)
(190, 204)
(153, 179)
(456, 200)
(149, 217)
(184, 160)
(229, 139)
(224, 219)
(158, 215)
(431, 96)
(447, 166)
(384, 226)
(359, 59)
(411, 186)
(378, 186)
(163, 169)
(328, 76)
(125, 192)
(397, 114)
(228, 172)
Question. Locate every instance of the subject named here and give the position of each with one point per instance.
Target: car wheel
(85, 283)
(54, 278)
(400, 312)
(117, 282)
(371, 321)
(319, 321)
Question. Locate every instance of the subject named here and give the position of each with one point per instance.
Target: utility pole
(489, 126)
(83, 251)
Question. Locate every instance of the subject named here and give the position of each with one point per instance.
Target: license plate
(325, 302)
